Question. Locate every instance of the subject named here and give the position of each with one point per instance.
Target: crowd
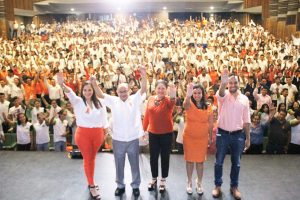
(179, 53)
(53, 76)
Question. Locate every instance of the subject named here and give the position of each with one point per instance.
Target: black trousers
(23, 147)
(294, 148)
(255, 149)
(160, 144)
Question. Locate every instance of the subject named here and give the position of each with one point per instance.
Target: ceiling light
(165, 8)
(212, 7)
(72, 9)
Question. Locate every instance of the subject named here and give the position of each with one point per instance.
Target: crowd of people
(43, 70)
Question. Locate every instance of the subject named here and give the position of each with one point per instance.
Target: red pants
(89, 140)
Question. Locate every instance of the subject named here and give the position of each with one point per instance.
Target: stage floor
(52, 176)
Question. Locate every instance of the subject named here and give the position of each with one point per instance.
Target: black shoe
(119, 191)
(136, 192)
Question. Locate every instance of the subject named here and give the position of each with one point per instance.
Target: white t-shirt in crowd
(295, 134)
(59, 129)
(34, 113)
(42, 132)
(23, 133)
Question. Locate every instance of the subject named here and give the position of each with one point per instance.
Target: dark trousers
(275, 149)
(255, 149)
(23, 147)
(160, 144)
(294, 149)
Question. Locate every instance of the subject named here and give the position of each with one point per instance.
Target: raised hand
(60, 78)
(172, 91)
(93, 79)
(225, 76)
(189, 89)
(143, 71)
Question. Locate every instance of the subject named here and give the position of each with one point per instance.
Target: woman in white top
(24, 133)
(91, 119)
(41, 128)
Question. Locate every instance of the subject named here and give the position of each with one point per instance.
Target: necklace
(158, 101)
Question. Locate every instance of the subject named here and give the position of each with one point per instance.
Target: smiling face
(232, 85)
(122, 92)
(87, 91)
(197, 94)
(161, 90)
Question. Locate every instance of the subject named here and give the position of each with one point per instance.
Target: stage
(53, 176)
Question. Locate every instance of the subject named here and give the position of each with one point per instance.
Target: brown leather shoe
(235, 193)
(216, 193)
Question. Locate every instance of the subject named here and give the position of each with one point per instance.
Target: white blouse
(23, 133)
(88, 117)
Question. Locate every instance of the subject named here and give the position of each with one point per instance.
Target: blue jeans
(60, 146)
(42, 147)
(236, 143)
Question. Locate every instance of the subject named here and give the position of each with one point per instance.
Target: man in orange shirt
(30, 90)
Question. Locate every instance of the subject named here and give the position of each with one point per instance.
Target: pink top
(233, 112)
(262, 99)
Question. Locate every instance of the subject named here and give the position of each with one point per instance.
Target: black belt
(230, 132)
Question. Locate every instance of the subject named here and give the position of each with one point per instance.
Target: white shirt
(34, 113)
(292, 89)
(273, 88)
(23, 133)
(59, 129)
(87, 117)
(53, 110)
(54, 92)
(6, 90)
(126, 116)
(4, 109)
(295, 134)
(42, 132)
(14, 111)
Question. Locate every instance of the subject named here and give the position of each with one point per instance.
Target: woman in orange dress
(197, 134)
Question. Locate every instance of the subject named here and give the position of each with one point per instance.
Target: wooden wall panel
(9, 10)
(252, 3)
(24, 4)
(281, 29)
(290, 30)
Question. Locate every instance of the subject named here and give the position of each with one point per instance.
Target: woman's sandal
(162, 185)
(152, 185)
(97, 196)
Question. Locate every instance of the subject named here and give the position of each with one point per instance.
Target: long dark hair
(18, 118)
(203, 101)
(94, 98)
(263, 107)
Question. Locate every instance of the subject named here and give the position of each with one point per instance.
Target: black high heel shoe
(152, 185)
(96, 197)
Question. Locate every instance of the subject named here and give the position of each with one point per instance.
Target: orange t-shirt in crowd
(214, 76)
(158, 118)
(30, 91)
